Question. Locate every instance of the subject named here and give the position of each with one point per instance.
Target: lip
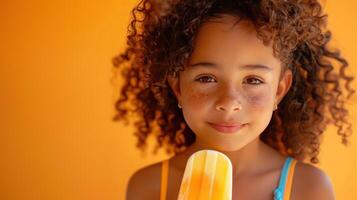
(227, 128)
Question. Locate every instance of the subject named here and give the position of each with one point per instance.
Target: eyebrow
(244, 67)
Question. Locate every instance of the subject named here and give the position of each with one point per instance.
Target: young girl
(253, 79)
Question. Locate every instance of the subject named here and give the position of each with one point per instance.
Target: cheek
(256, 99)
(195, 103)
(260, 99)
(196, 98)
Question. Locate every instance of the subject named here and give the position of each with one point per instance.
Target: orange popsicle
(207, 176)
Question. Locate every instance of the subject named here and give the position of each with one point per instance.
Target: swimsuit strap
(286, 179)
(164, 178)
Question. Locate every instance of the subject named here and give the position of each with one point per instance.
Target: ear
(284, 85)
(174, 83)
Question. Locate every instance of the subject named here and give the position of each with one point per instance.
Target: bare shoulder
(310, 182)
(145, 183)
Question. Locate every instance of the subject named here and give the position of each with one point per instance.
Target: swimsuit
(282, 192)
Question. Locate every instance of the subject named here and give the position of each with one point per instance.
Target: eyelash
(198, 80)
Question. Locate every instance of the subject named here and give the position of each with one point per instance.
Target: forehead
(226, 41)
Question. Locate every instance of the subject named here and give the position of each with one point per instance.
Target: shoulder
(310, 182)
(145, 183)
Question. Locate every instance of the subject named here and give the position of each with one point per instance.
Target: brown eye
(254, 81)
(205, 79)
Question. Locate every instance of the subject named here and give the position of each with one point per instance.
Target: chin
(229, 147)
(235, 148)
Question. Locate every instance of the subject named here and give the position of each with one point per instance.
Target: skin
(228, 90)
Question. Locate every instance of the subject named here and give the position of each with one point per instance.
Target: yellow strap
(164, 177)
(289, 181)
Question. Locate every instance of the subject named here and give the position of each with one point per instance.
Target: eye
(254, 81)
(205, 79)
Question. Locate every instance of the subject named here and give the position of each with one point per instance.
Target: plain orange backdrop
(57, 100)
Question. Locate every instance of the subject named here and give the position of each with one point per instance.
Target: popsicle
(207, 176)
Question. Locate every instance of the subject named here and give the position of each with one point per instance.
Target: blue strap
(279, 192)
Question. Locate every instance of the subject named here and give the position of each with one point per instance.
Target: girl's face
(232, 79)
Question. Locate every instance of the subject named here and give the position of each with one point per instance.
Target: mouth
(227, 129)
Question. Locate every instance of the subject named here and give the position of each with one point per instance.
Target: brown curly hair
(160, 40)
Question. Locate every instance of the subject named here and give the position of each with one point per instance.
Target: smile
(227, 129)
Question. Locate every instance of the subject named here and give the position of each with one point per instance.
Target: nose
(228, 102)
(229, 107)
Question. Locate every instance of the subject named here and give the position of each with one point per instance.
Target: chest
(248, 187)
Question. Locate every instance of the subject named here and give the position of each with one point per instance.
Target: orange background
(56, 101)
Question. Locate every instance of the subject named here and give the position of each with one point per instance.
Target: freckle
(255, 99)
(259, 100)
(199, 95)
(197, 98)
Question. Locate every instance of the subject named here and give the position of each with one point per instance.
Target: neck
(252, 158)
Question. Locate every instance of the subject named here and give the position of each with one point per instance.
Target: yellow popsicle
(207, 176)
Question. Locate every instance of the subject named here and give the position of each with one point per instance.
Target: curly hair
(160, 40)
